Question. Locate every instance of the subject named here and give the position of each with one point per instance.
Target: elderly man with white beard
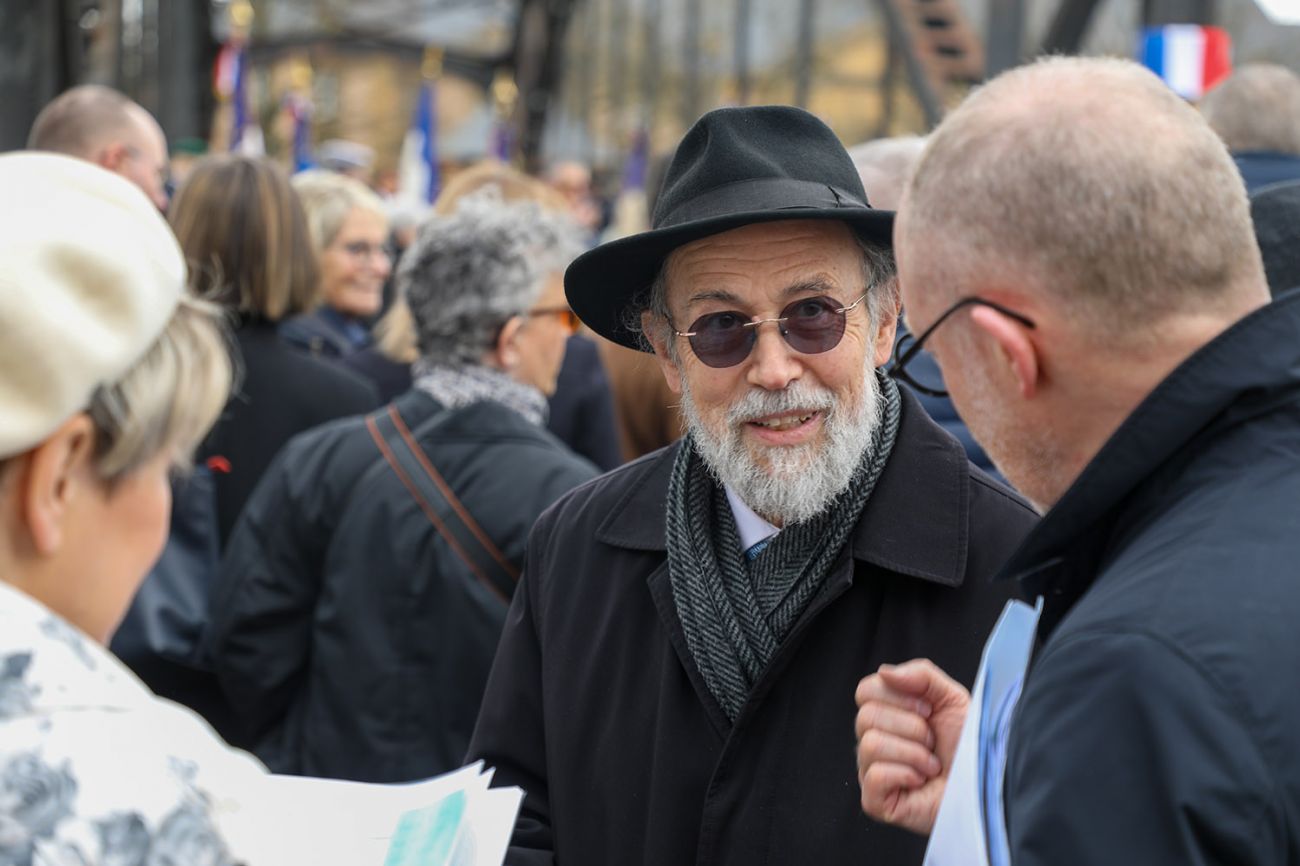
(680, 654)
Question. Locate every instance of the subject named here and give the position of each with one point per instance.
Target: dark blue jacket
(325, 333)
(1259, 168)
(1160, 722)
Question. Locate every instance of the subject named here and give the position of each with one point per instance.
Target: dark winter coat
(1161, 720)
(1259, 168)
(281, 394)
(597, 711)
(582, 407)
(346, 632)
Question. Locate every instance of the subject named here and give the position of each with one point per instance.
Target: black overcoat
(595, 708)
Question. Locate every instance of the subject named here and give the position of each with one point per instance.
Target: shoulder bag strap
(439, 503)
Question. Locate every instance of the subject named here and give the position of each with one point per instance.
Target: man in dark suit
(673, 674)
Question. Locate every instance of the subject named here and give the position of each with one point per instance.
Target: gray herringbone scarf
(736, 613)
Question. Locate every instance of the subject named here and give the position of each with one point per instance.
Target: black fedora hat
(734, 167)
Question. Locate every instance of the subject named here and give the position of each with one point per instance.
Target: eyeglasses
(809, 325)
(361, 249)
(908, 348)
(568, 319)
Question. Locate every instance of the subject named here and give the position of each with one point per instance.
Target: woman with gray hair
(109, 376)
(356, 619)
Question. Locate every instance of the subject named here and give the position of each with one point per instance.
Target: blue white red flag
(419, 177)
(231, 76)
(224, 71)
(1191, 58)
(300, 110)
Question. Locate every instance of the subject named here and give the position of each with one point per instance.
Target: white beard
(798, 482)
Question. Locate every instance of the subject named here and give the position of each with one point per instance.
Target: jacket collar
(916, 522)
(1251, 363)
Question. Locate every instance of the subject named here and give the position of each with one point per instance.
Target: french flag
(419, 178)
(1191, 58)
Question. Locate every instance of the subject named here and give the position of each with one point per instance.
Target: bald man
(102, 126)
(1100, 313)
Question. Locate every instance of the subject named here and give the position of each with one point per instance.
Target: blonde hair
(395, 332)
(169, 399)
(329, 198)
(244, 232)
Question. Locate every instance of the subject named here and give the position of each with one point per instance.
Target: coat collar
(916, 522)
(1246, 367)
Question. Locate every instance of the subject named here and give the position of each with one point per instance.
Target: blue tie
(757, 548)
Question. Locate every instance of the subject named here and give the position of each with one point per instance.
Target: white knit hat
(90, 275)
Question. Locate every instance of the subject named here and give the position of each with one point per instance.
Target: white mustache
(758, 403)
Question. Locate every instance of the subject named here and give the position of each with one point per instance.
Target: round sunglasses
(809, 325)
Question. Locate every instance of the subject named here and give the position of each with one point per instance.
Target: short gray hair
(471, 271)
(885, 164)
(1257, 107)
(1046, 176)
(878, 280)
(79, 120)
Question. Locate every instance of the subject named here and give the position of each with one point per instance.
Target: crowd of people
(659, 526)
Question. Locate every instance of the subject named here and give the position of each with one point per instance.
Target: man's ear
(656, 334)
(1014, 345)
(506, 351)
(111, 156)
(57, 472)
(887, 329)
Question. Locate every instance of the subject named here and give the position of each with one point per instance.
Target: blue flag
(300, 110)
(419, 178)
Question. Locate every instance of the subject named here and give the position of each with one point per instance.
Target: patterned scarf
(736, 612)
(456, 386)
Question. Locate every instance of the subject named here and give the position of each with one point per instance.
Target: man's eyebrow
(713, 295)
(819, 284)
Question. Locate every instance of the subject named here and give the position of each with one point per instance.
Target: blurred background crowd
(381, 198)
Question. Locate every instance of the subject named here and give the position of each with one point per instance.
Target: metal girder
(1006, 25)
(537, 59)
(901, 42)
(1156, 12)
(1069, 26)
(36, 42)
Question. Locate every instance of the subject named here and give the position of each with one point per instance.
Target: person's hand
(909, 720)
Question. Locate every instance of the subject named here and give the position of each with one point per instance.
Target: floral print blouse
(94, 769)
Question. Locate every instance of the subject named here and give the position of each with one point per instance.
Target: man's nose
(773, 365)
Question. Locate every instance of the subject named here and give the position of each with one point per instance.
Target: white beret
(90, 275)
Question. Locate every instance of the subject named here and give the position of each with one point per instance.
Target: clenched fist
(909, 720)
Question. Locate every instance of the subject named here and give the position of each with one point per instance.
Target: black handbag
(170, 609)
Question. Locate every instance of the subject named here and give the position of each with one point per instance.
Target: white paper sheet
(971, 813)
(327, 822)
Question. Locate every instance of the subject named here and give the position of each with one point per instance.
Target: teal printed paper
(427, 837)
